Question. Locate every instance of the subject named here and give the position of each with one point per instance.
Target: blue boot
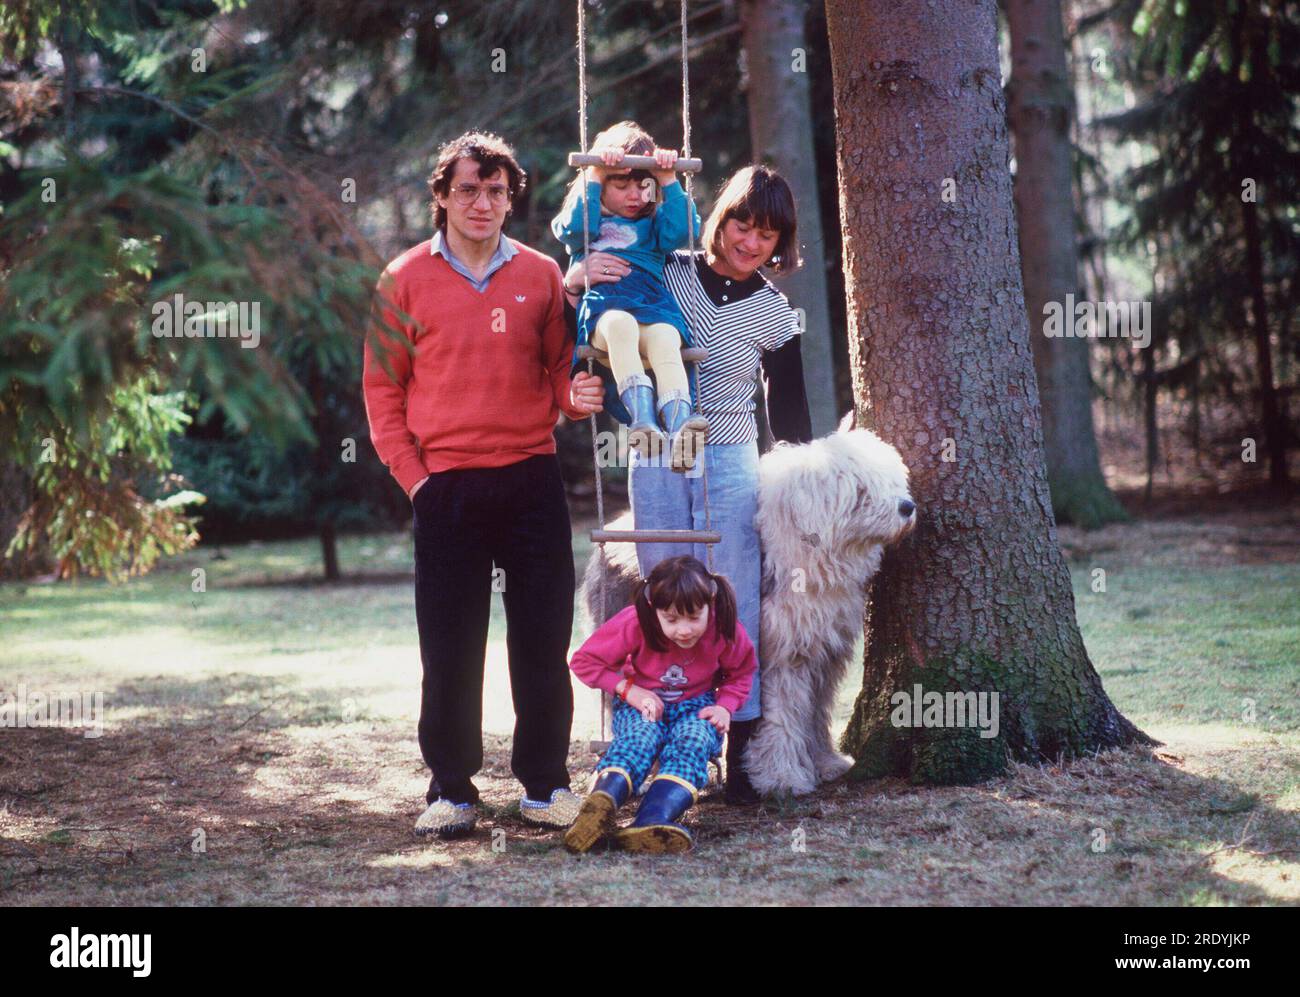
(638, 396)
(686, 430)
(654, 829)
(596, 818)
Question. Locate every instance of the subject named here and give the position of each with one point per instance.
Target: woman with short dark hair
(747, 326)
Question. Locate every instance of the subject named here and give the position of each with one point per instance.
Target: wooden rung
(599, 747)
(690, 354)
(635, 163)
(655, 536)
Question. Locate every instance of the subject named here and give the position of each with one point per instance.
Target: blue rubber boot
(638, 396)
(596, 818)
(655, 829)
(686, 430)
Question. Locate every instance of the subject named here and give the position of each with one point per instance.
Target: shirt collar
(726, 290)
(438, 246)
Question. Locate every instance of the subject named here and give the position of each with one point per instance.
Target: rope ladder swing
(692, 356)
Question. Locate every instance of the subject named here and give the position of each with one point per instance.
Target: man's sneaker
(447, 819)
(561, 811)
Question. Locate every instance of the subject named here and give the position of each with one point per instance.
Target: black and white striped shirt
(737, 322)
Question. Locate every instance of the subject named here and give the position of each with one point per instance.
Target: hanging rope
(586, 281)
(586, 287)
(689, 186)
(690, 232)
(586, 277)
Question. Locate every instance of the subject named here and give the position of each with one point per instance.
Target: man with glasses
(464, 378)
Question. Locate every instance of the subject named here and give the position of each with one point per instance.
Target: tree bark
(1041, 111)
(979, 598)
(780, 132)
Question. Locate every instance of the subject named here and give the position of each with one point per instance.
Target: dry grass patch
(294, 814)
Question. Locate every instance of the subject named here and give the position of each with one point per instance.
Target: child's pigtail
(648, 618)
(724, 607)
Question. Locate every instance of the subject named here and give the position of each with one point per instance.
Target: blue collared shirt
(504, 252)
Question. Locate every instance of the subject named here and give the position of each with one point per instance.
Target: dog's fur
(826, 510)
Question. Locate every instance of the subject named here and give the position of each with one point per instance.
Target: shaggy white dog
(826, 509)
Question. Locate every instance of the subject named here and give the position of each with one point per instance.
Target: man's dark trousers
(465, 520)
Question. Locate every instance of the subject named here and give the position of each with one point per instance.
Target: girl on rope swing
(640, 216)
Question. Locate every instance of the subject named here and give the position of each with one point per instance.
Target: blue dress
(648, 301)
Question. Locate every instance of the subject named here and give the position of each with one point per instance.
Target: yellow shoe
(659, 839)
(596, 818)
(654, 830)
(594, 821)
(687, 444)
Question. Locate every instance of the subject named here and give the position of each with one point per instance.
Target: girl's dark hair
(758, 195)
(636, 141)
(491, 152)
(684, 584)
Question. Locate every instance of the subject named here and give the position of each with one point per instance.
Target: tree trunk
(1194, 396)
(1150, 423)
(71, 76)
(17, 493)
(1041, 110)
(780, 132)
(1270, 415)
(320, 485)
(329, 550)
(979, 598)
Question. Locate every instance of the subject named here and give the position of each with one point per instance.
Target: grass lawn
(258, 746)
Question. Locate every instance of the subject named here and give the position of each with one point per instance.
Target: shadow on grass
(250, 790)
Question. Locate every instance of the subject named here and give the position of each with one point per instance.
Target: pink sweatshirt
(677, 674)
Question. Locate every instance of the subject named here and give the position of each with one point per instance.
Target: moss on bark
(1039, 712)
(1085, 501)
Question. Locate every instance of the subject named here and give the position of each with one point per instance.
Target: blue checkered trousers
(682, 741)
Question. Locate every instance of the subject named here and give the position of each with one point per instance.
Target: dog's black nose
(906, 507)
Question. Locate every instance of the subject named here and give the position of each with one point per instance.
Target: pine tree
(979, 599)
(1221, 83)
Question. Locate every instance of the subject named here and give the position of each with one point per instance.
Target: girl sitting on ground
(680, 664)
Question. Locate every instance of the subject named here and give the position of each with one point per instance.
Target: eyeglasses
(468, 193)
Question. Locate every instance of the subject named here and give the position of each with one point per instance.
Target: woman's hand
(719, 716)
(602, 268)
(650, 705)
(587, 392)
(666, 158)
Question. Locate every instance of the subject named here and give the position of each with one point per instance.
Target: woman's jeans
(665, 500)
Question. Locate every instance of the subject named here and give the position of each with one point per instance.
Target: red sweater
(490, 372)
(677, 674)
